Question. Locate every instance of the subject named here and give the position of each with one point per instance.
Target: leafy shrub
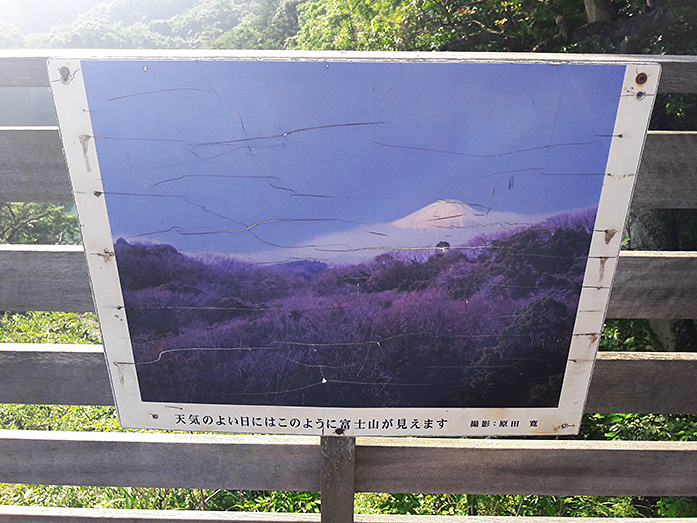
(49, 327)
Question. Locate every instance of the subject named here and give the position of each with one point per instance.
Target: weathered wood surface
(54, 374)
(652, 284)
(32, 169)
(637, 382)
(32, 166)
(44, 278)
(337, 466)
(382, 465)
(16, 514)
(678, 75)
(668, 172)
(644, 382)
(160, 460)
(27, 68)
(23, 69)
(526, 467)
(54, 278)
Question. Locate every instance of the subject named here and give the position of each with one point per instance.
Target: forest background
(573, 26)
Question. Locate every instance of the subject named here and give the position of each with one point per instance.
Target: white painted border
(81, 155)
(634, 110)
(631, 125)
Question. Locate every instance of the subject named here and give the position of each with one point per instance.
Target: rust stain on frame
(84, 141)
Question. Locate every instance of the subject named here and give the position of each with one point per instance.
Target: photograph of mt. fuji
(351, 234)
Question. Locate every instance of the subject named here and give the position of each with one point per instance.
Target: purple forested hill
(483, 324)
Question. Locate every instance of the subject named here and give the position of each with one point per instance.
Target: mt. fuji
(443, 214)
(446, 220)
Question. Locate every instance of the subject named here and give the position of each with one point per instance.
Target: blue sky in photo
(239, 157)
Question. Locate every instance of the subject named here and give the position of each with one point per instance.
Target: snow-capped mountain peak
(442, 214)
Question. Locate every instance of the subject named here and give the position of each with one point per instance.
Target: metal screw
(65, 74)
(339, 431)
(640, 95)
(155, 416)
(641, 78)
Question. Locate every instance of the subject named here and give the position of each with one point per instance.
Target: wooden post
(338, 458)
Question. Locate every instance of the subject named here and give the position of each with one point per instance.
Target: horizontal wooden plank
(667, 176)
(23, 69)
(652, 284)
(382, 465)
(76, 375)
(54, 374)
(18, 514)
(527, 467)
(33, 169)
(678, 75)
(27, 68)
(44, 278)
(159, 460)
(644, 382)
(32, 166)
(648, 284)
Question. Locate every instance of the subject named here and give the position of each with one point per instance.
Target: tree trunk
(598, 10)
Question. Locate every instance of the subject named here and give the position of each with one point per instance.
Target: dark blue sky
(239, 156)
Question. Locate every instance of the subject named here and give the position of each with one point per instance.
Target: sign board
(383, 244)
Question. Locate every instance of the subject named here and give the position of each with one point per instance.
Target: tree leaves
(38, 223)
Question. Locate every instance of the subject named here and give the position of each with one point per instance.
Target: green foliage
(550, 506)
(138, 24)
(687, 232)
(480, 26)
(442, 504)
(158, 498)
(59, 417)
(628, 336)
(48, 327)
(39, 223)
(639, 427)
(676, 508)
(207, 20)
(558, 506)
(264, 501)
(10, 35)
(101, 497)
(269, 26)
(494, 25)
(350, 25)
(677, 33)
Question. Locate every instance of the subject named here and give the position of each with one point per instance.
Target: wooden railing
(54, 278)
